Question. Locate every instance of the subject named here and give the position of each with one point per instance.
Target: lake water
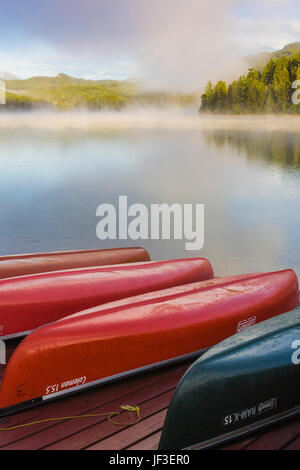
(53, 177)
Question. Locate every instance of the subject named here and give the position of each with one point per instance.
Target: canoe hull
(264, 362)
(97, 383)
(103, 343)
(28, 302)
(22, 265)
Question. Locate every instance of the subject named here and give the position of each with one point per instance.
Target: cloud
(275, 2)
(261, 35)
(175, 44)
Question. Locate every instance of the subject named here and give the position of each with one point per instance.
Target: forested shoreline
(67, 93)
(268, 89)
(260, 91)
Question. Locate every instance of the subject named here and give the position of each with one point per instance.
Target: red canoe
(27, 302)
(126, 337)
(20, 265)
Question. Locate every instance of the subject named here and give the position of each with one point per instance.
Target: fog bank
(143, 120)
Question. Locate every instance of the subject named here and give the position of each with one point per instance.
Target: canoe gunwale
(67, 252)
(246, 430)
(22, 334)
(88, 386)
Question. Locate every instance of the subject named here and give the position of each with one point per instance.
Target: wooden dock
(152, 391)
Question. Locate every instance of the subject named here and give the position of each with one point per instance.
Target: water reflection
(51, 182)
(279, 148)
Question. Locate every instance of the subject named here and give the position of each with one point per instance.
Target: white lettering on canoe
(73, 382)
(52, 389)
(296, 354)
(238, 416)
(267, 406)
(248, 413)
(67, 384)
(245, 324)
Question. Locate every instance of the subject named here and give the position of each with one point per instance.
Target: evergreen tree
(282, 86)
(269, 90)
(220, 95)
(268, 72)
(207, 97)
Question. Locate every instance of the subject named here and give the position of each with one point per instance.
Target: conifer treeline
(266, 91)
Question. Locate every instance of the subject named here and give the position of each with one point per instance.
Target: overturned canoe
(210, 405)
(21, 265)
(28, 302)
(121, 338)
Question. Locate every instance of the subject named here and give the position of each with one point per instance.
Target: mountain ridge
(261, 59)
(5, 75)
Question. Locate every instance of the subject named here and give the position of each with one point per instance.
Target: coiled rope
(131, 409)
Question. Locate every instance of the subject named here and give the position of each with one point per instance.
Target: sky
(174, 43)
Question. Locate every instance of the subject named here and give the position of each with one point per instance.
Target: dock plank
(149, 443)
(104, 399)
(82, 403)
(152, 391)
(150, 401)
(294, 444)
(239, 444)
(122, 440)
(277, 437)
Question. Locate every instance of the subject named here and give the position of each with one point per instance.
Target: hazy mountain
(39, 84)
(5, 75)
(66, 92)
(260, 60)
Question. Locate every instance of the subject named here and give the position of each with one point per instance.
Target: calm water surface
(51, 182)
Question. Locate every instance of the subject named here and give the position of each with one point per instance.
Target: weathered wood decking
(152, 391)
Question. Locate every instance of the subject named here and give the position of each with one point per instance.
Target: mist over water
(55, 169)
(144, 118)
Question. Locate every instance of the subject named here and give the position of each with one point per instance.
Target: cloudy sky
(175, 42)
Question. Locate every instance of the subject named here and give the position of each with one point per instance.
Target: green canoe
(247, 382)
